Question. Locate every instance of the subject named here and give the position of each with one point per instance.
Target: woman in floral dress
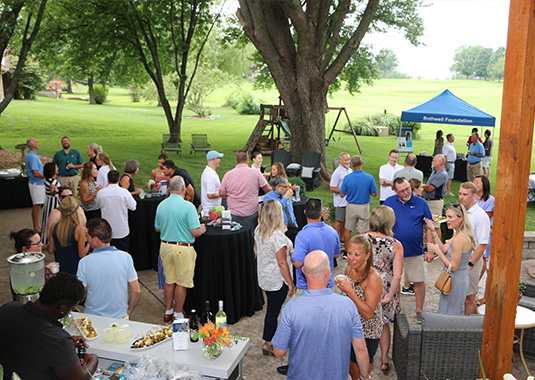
(388, 253)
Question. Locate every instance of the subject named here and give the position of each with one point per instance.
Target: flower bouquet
(214, 338)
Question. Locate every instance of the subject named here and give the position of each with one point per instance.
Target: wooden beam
(514, 156)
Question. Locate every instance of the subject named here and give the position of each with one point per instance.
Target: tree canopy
(478, 62)
(307, 45)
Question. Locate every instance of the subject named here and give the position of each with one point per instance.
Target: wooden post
(516, 139)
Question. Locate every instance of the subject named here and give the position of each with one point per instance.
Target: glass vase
(211, 351)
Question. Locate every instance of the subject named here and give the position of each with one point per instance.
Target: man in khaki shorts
(435, 189)
(481, 228)
(178, 224)
(410, 212)
(358, 186)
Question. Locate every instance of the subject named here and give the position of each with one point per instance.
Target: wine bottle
(193, 325)
(207, 316)
(221, 316)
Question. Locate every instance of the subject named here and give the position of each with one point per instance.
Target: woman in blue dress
(455, 255)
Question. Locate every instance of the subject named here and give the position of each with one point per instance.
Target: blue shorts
(452, 170)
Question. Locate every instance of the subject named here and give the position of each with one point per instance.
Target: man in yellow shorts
(178, 224)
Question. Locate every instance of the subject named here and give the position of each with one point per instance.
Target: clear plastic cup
(120, 335)
(109, 335)
(54, 267)
(128, 330)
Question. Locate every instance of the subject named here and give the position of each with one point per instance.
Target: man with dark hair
(409, 171)
(68, 161)
(178, 224)
(410, 211)
(476, 153)
(171, 170)
(114, 203)
(386, 175)
(34, 344)
(358, 186)
(315, 235)
(240, 187)
(488, 145)
(106, 274)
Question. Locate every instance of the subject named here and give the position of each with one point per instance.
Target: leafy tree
(207, 80)
(387, 62)
(482, 61)
(31, 81)
(463, 61)
(19, 18)
(496, 68)
(305, 46)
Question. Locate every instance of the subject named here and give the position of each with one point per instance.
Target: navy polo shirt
(410, 223)
(358, 186)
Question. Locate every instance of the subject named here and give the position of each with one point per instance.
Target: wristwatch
(470, 264)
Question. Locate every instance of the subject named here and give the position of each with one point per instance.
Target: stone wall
(528, 251)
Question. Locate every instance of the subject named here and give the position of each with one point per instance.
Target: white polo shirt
(448, 150)
(114, 203)
(387, 172)
(480, 224)
(210, 184)
(336, 181)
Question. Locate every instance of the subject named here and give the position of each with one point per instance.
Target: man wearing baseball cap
(210, 183)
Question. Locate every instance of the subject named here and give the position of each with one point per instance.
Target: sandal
(385, 368)
(481, 301)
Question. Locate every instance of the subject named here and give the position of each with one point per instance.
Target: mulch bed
(9, 159)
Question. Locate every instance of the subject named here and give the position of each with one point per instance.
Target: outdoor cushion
(431, 320)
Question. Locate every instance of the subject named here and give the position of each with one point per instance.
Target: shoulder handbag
(443, 282)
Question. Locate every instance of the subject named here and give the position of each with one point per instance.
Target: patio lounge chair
(199, 142)
(170, 142)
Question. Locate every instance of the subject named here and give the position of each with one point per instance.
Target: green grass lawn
(128, 130)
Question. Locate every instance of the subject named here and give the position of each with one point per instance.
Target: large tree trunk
(90, 85)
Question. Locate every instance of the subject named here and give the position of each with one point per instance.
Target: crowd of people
(90, 238)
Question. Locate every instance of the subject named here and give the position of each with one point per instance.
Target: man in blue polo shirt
(178, 224)
(476, 153)
(410, 212)
(316, 235)
(358, 186)
(36, 181)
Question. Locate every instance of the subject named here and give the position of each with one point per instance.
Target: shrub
(367, 125)
(134, 93)
(248, 105)
(101, 93)
(297, 181)
(30, 83)
(232, 100)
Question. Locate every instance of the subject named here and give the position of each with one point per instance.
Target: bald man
(36, 181)
(320, 350)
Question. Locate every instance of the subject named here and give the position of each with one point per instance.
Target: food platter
(438, 219)
(86, 328)
(10, 173)
(152, 338)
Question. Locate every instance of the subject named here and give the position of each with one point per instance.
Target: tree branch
(333, 43)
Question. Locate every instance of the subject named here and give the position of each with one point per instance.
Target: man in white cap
(210, 183)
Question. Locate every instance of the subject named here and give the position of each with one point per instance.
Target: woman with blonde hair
(388, 261)
(93, 150)
(364, 286)
(68, 237)
(89, 190)
(105, 166)
(273, 266)
(455, 255)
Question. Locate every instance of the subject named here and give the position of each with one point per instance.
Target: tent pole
(514, 159)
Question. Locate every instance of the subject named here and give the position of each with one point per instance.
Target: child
(50, 171)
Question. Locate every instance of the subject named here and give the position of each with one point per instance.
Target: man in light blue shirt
(178, 224)
(319, 327)
(36, 181)
(282, 193)
(476, 153)
(106, 274)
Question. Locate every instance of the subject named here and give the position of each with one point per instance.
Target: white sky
(448, 25)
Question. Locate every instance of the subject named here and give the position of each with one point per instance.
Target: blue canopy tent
(446, 108)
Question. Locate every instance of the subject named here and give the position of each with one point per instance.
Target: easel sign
(405, 139)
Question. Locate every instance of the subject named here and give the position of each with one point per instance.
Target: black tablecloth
(424, 164)
(225, 270)
(144, 240)
(14, 193)
(299, 211)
